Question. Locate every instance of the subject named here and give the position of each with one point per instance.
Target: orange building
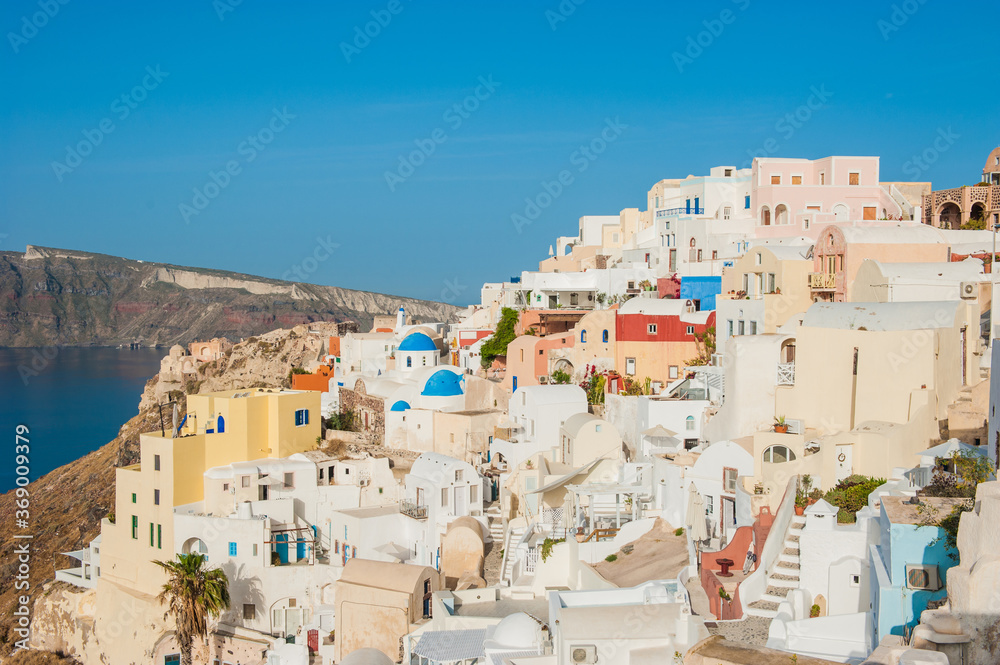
(318, 380)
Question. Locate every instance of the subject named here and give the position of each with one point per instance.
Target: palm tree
(193, 594)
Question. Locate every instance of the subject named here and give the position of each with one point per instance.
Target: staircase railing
(755, 585)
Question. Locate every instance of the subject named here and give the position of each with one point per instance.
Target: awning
(395, 551)
(568, 477)
(659, 432)
(444, 646)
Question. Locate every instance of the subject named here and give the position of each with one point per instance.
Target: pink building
(798, 197)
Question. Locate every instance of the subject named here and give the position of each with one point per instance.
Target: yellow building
(221, 428)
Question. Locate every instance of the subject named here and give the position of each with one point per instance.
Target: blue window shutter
(746, 202)
(307, 416)
(232, 549)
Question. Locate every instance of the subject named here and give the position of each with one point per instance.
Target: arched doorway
(781, 215)
(977, 211)
(765, 216)
(194, 546)
(841, 212)
(949, 216)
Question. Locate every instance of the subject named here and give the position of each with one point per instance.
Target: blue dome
(443, 383)
(399, 406)
(417, 342)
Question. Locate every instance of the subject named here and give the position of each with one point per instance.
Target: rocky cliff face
(67, 504)
(63, 297)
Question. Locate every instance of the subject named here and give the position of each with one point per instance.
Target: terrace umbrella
(176, 419)
(699, 529)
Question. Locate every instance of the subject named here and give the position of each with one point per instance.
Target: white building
(536, 414)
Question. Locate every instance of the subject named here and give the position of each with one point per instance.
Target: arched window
(409, 361)
(604, 337)
(583, 336)
(693, 242)
(778, 455)
(689, 423)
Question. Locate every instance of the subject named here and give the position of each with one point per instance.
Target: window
(245, 481)
(631, 285)
(729, 173)
(630, 365)
(868, 212)
(152, 533)
(459, 475)
(853, 179)
(159, 536)
(727, 212)
(771, 282)
(225, 486)
(778, 455)
(301, 417)
(715, 254)
(753, 327)
(156, 497)
(746, 202)
(409, 361)
(690, 330)
(729, 326)
(651, 329)
(289, 480)
(796, 180)
(604, 337)
(232, 549)
(757, 259)
(822, 178)
(699, 256)
(574, 299)
(729, 480)
(171, 659)
(673, 372)
(776, 180)
(156, 462)
(473, 494)
(583, 337)
(249, 611)
(444, 497)
(135, 527)
(255, 549)
(689, 423)
(855, 580)
(709, 505)
(741, 327)
(133, 497)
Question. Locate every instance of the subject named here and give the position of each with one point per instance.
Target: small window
(673, 372)
(709, 505)
(604, 337)
(156, 462)
(225, 487)
(630, 366)
(753, 327)
(459, 475)
(757, 259)
(159, 536)
(409, 361)
(473, 494)
(729, 480)
(699, 256)
(255, 549)
(729, 173)
(729, 327)
(289, 480)
(796, 180)
(822, 178)
(727, 212)
(249, 611)
(689, 423)
(133, 497)
(597, 428)
(135, 527)
(651, 329)
(301, 417)
(245, 481)
(444, 497)
(869, 212)
(746, 202)
(854, 179)
(152, 534)
(156, 497)
(776, 180)
(690, 330)
(232, 549)
(583, 337)
(778, 455)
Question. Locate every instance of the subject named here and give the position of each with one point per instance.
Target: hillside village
(749, 420)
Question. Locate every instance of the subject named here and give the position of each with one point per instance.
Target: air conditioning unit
(922, 576)
(795, 426)
(363, 482)
(969, 290)
(583, 654)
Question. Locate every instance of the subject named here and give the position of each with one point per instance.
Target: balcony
(821, 281)
(411, 509)
(786, 374)
(686, 210)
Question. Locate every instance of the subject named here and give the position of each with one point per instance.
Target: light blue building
(908, 568)
(703, 289)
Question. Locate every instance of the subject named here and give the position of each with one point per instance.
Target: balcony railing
(786, 374)
(411, 509)
(822, 280)
(670, 212)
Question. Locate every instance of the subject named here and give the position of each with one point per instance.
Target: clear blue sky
(449, 223)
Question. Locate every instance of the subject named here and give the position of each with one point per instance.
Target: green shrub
(611, 558)
(851, 495)
(679, 532)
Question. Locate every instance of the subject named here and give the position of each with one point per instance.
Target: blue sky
(309, 128)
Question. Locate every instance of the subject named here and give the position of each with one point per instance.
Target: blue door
(696, 201)
(515, 385)
(281, 547)
(222, 424)
(687, 207)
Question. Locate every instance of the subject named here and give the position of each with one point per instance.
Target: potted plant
(723, 594)
(800, 503)
(814, 611)
(780, 426)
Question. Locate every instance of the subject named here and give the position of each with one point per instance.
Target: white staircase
(783, 577)
(495, 520)
(510, 554)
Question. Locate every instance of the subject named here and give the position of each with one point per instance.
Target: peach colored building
(656, 338)
(840, 251)
(793, 197)
(210, 350)
(528, 358)
(951, 208)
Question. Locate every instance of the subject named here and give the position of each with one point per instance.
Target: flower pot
(800, 510)
(781, 429)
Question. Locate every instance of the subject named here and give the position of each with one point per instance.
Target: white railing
(786, 374)
(530, 561)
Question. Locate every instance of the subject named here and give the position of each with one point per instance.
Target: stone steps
(762, 608)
